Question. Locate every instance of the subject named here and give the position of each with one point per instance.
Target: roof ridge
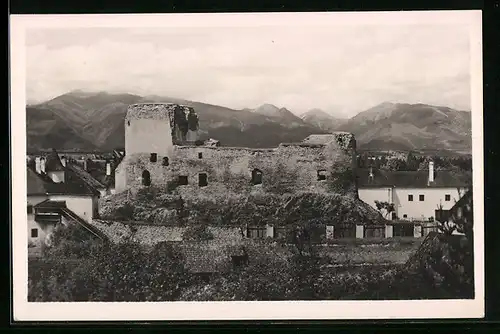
(86, 174)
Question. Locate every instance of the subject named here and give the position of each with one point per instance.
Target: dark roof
(77, 219)
(85, 176)
(73, 185)
(410, 179)
(53, 163)
(51, 204)
(35, 183)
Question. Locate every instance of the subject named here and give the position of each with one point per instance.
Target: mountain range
(323, 120)
(95, 121)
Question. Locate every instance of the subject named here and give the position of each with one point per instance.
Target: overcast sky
(342, 70)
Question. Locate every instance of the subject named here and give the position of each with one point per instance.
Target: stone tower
(148, 129)
(151, 132)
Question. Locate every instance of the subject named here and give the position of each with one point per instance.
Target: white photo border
(237, 310)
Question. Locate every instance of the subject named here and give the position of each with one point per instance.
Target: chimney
(108, 168)
(42, 165)
(63, 161)
(37, 165)
(431, 171)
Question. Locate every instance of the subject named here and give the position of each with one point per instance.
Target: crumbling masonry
(161, 146)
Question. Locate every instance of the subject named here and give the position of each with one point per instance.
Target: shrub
(125, 212)
(110, 272)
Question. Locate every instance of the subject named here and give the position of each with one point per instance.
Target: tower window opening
(153, 157)
(200, 155)
(165, 161)
(322, 175)
(256, 176)
(146, 178)
(202, 180)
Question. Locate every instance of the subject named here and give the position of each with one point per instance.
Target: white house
(56, 194)
(416, 195)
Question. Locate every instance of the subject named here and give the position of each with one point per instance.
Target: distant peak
(80, 92)
(386, 104)
(268, 106)
(316, 112)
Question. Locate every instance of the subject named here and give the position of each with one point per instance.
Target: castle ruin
(162, 146)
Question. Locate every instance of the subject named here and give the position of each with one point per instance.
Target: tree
(411, 162)
(386, 207)
(444, 224)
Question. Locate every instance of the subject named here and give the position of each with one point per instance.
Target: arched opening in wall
(256, 176)
(202, 179)
(153, 157)
(165, 161)
(146, 178)
(321, 175)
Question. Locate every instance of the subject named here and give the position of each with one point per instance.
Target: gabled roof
(40, 184)
(85, 176)
(410, 179)
(35, 183)
(73, 185)
(53, 163)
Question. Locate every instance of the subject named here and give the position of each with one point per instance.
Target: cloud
(341, 70)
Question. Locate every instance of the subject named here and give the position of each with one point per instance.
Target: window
(256, 177)
(128, 123)
(394, 216)
(146, 178)
(153, 157)
(257, 232)
(183, 180)
(405, 216)
(410, 198)
(202, 180)
(34, 233)
(447, 197)
(200, 155)
(421, 198)
(165, 161)
(30, 209)
(322, 175)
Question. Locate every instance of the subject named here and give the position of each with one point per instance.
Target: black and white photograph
(247, 166)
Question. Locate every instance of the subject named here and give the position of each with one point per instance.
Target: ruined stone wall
(289, 168)
(156, 127)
